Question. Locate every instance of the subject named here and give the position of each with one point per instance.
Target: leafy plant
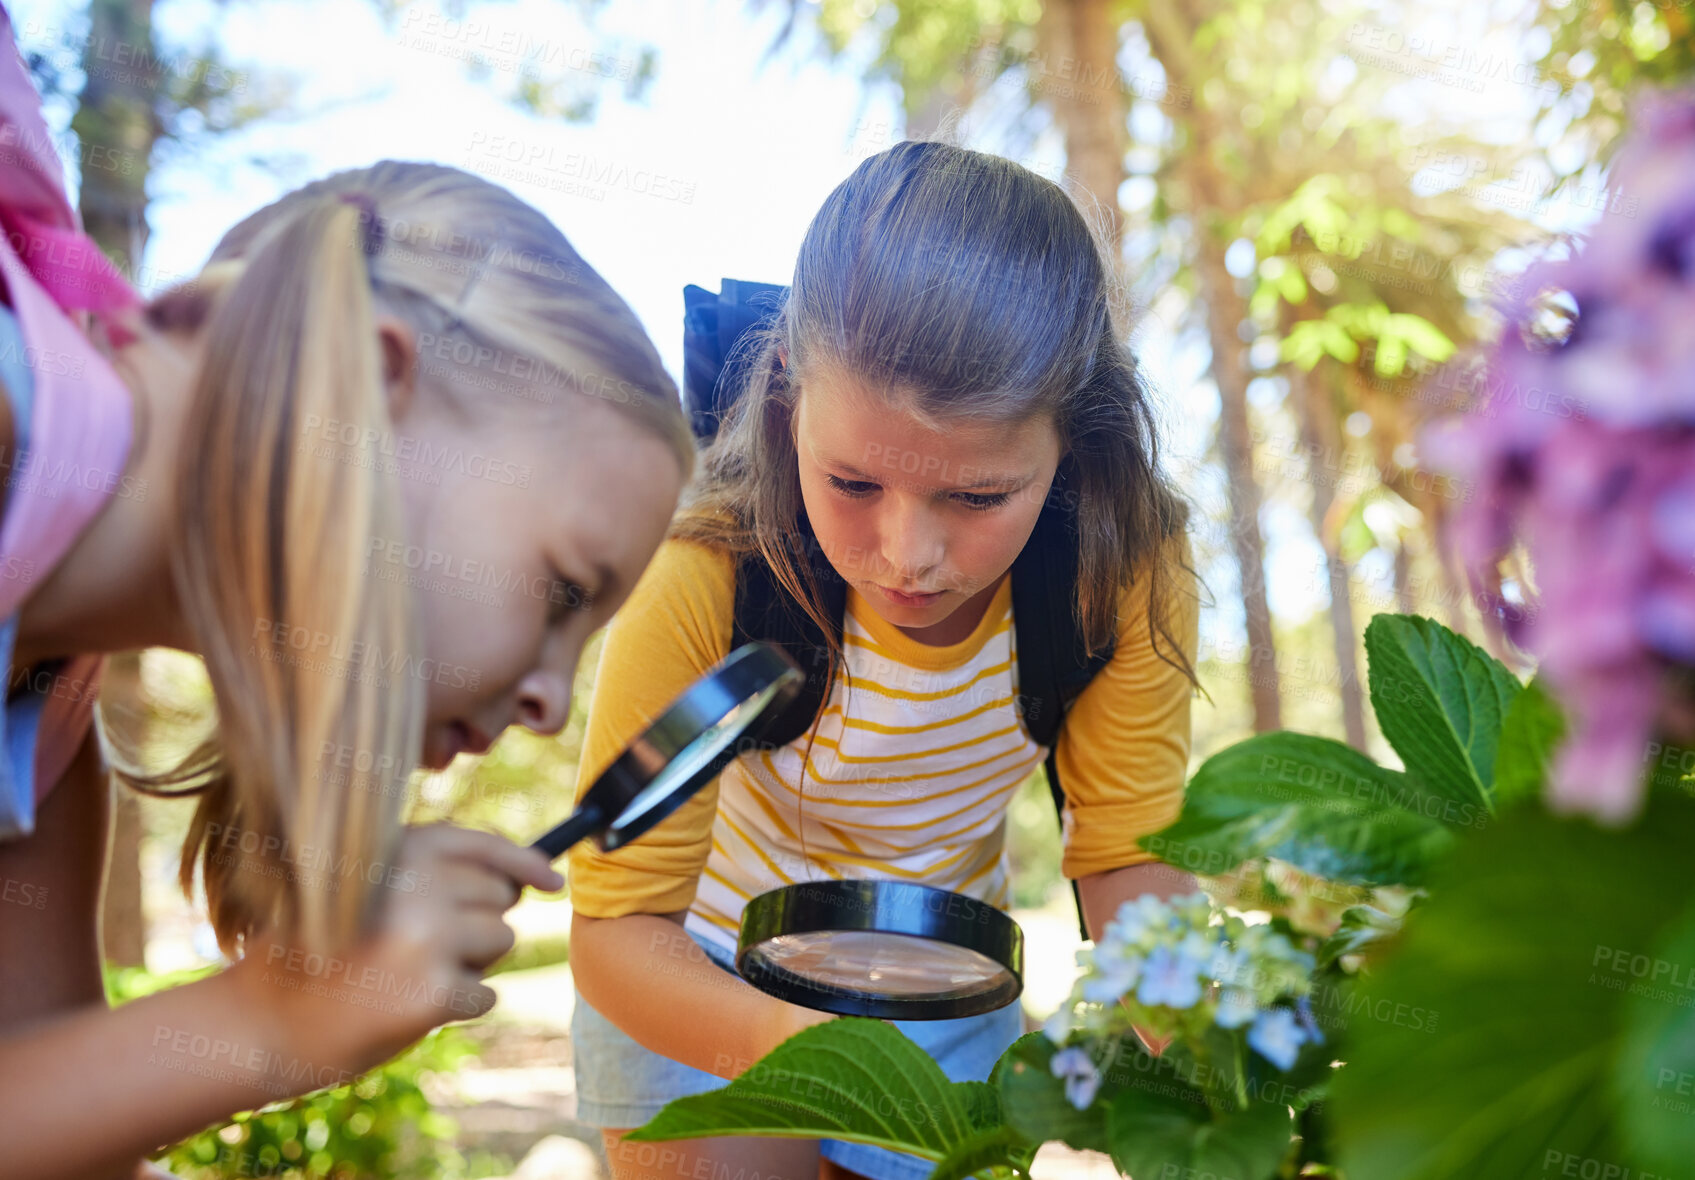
(1442, 703)
(1559, 958)
(380, 1124)
(1256, 1018)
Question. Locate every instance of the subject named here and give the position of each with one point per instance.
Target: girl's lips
(899, 599)
(473, 740)
(456, 738)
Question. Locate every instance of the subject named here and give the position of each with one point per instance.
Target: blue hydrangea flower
(1277, 1037)
(1197, 946)
(1303, 1014)
(1169, 979)
(1058, 1026)
(1236, 1007)
(1136, 917)
(1082, 1079)
(1116, 969)
(1229, 965)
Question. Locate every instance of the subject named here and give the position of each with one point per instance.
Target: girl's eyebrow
(990, 481)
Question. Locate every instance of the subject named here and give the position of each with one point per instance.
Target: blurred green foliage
(380, 1124)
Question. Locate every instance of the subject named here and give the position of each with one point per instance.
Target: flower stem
(1241, 1081)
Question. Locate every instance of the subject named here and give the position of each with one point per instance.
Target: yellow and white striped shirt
(911, 767)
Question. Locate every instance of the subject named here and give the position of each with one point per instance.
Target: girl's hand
(438, 927)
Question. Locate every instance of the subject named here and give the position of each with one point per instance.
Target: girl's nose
(913, 543)
(544, 702)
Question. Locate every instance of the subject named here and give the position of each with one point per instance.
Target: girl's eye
(984, 500)
(563, 597)
(850, 487)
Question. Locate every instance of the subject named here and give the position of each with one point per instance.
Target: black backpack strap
(718, 346)
(1054, 665)
(765, 611)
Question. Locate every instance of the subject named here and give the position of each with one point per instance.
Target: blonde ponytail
(313, 663)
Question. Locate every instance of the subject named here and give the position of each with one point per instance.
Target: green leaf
(981, 1102)
(1421, 335)
(1519, 966)
(1263, 305)
(1440, 701)
(1320, 805)
(1034, 1100)
(1654, 1076)
(1531, 729)
(1361, 926)
(1170, 1133)
(1310, 341)
(997, 1147)
(851, 1078)
(1291, 284)
(1391, 356)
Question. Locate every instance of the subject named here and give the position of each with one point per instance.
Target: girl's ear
(782, 357)
(398, 346)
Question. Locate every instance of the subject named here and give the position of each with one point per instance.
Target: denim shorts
(621, 1084)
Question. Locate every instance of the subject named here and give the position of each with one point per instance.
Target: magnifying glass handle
(580, 825)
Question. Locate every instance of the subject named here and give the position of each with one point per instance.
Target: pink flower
(1584, 450)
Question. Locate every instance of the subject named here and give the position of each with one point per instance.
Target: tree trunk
(1404, 600)
(1215, 199)
(1080, 83)
(1316, 415)
(116, 125)
(1225, 309)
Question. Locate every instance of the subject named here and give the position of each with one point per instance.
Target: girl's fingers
(474, 885)
(479, 1000)
(526, 866)
(481, 938)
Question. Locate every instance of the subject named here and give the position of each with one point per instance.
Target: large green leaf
(1655, 1070)
(1440, 701)
(846, 1079)
(1361, 926)
(1314, 802)
(981, 1103)
(1532, 728)
(1517, 956)
(1034, 1100)
(1172, 1133)
(997, 1147)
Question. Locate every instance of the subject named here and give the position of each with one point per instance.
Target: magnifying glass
(887, 949)
(678, 754)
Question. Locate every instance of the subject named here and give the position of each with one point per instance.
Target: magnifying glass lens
(695, 755)
(883, 964)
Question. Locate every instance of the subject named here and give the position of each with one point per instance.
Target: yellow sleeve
(674, 626)
(1123, 750)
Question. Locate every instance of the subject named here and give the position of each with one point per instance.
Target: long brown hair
(967, 286)
(276, 519)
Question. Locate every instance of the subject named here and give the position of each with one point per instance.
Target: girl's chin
(441, 747)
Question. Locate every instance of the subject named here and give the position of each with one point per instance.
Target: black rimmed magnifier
(679, 753)
(888, 949)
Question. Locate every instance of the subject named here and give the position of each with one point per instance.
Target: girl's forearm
(648, 977)
(1103, 893)
(144, 1075)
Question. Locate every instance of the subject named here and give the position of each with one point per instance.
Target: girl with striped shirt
(944, 365)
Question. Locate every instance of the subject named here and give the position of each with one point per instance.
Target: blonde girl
(392, 362)
(946, 364)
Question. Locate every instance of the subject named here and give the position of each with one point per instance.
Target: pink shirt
(79, 413)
